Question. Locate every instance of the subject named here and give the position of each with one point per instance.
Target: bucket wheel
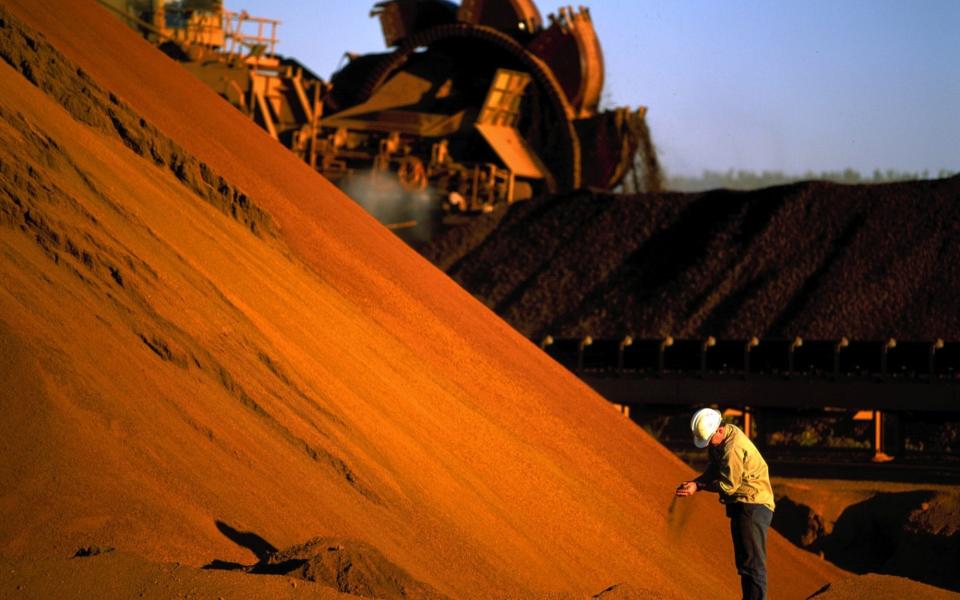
(547, 124)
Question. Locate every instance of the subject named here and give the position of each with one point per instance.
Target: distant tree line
(750, 180)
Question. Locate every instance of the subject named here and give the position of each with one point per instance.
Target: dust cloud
(412, 214)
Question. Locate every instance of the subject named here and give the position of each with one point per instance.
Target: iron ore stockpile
(815, 259)
(211, 357)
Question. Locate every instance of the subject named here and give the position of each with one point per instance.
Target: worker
(739, 474)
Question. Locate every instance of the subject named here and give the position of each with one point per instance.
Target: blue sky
(785, 85)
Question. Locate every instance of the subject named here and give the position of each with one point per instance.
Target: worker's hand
(687, 488)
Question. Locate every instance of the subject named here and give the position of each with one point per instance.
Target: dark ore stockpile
(815, 259)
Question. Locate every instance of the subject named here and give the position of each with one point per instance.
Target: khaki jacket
(737, 471)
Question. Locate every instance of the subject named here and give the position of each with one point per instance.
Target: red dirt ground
(904, 529)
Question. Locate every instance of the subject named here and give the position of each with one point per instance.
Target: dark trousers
(748, 526)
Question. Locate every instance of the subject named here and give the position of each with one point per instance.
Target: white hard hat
(704, 424)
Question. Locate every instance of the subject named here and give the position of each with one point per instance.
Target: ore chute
(645, 172)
